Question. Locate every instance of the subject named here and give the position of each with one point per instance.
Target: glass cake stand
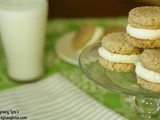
(146, 102)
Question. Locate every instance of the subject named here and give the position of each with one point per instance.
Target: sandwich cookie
(148, 69)
(87, 34)
(144, 27)
(114, 28)
(116, 54)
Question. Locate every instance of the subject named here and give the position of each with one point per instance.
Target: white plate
(65, 50)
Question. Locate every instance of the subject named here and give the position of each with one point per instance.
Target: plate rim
(61, 54)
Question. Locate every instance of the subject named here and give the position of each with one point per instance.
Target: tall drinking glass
(22, 31)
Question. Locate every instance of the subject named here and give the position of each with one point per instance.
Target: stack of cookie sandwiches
(144, 32)
(143, 40)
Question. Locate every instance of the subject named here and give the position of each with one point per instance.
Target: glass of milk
(22, 31)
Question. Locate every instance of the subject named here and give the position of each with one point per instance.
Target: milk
(22, 31)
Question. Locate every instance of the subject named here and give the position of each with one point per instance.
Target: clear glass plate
(123, 82)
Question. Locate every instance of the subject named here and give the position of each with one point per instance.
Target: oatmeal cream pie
(144, 27)
(114, 28)
(116, 54)
(87, 34)
(148, 69)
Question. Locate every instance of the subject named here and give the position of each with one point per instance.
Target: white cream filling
(143, 33)
(117, 57)
(146, 74)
